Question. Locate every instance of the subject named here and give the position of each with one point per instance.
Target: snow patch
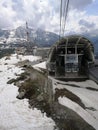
(89, 98)
(40, 65)
(15, 114)
(75, 107)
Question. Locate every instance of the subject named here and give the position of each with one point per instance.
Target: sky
(45, 14)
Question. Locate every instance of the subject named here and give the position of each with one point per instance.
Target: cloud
(45, 14)
(80, 4)
(7, 14)
(79, 22)
(37, 13)
(86, 24)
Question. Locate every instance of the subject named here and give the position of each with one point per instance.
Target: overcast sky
(45, 14)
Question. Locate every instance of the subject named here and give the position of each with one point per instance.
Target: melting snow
(15, 114)
(40, 65)
(89, 97)
(78, 109)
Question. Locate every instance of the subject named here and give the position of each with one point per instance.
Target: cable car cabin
(70, 58)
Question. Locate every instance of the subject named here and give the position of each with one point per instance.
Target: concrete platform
(72, 77)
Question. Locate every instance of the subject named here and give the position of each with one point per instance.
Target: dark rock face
(33, 84)
(68, 94)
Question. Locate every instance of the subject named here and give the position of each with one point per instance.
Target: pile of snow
(15, 114)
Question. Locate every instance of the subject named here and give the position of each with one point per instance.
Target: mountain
(18, 36)
(93, 39)
(39, 37)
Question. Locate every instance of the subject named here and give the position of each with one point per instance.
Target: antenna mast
(27, 33)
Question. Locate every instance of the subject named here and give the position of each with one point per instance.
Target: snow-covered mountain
(18, 36)
(41, 38)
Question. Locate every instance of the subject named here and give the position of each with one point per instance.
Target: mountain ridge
(39, 37)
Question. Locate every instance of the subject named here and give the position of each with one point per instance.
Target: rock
(21, 94)
(40, 97)
(11, 81)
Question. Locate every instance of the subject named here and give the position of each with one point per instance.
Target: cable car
(70, 58)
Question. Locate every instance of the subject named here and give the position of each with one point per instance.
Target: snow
(40, 65)
(14, 59)
(15, 114)
(12, 33)
(88, 97)
(84, 114)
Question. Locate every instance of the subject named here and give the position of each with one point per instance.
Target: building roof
(73, 40)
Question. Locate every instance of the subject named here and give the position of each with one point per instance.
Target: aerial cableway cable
(63, 15)
(60, 18)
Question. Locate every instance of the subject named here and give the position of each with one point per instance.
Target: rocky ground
(29, 85)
